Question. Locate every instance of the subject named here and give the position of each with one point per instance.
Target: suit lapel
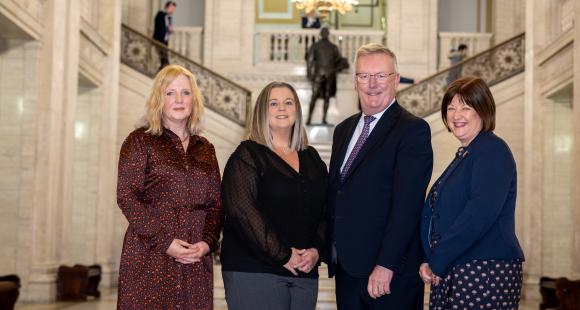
(341, 149)
(379, 133)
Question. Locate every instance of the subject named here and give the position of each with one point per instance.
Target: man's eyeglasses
(364, 78)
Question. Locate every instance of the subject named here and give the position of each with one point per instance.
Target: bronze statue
(323, 63)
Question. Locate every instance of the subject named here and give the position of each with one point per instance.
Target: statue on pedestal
(323, 63)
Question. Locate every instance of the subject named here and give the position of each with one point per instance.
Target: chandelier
(325, 6)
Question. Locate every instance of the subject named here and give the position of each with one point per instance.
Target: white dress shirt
(358, 131)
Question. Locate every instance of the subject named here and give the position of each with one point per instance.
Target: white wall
(462, 15)
(189, 13)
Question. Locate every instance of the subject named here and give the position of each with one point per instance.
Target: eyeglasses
(364, 78)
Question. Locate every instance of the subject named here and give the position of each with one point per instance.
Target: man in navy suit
(380, 167)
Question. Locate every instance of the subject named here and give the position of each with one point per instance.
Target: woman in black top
(273, 192)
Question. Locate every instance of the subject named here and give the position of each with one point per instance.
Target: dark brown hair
(473, 92)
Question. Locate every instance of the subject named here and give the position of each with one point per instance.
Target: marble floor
(109, 297)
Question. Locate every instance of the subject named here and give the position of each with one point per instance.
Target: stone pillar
(508, 19)
(532, 173)
(106, 239)
(576, 153)
(412, 28)
(57, 90)
(229, 35)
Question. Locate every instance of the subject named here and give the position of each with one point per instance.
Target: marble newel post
(57, 90)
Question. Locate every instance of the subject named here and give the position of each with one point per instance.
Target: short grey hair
(375, 48)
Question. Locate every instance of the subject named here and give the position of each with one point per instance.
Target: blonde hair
(260, 128)
(153, 119)
(376, 48)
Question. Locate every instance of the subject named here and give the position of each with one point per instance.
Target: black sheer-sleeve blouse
(270, 207)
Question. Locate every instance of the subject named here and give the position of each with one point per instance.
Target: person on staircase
(455, 57)
(274, 197)
(163, 27)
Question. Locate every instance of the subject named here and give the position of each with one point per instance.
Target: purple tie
(358, 145)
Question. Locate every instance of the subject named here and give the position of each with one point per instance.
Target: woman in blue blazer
(473, 259)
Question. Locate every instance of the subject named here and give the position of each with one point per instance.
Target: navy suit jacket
(475, 208)
(375, 213)
(160, 28)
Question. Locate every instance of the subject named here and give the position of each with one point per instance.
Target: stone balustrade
(188, 41)
(291, 46)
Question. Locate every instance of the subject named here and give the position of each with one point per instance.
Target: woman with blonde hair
(169, 191)
(274, 194)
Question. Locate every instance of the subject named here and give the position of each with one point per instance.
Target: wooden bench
(9, 291)
(568, 293)
(548, 293)
(77, 282)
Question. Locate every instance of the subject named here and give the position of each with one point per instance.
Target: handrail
(493, 65)
(221, 94)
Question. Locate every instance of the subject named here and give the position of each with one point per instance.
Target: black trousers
(265, 291)
(163, 55)
(351, 293)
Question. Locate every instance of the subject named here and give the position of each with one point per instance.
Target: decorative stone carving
(220, 94)
(494, 65)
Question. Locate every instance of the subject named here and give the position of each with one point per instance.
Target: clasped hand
(187, 253)
(303, 260)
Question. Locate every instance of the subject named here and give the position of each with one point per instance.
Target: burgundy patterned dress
(167, 193)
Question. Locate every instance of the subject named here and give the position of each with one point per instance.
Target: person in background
(163, 27)
(274, 197)
(406, 80)
(311, 20)
(169, 190)
(379, 171)
(473, 257)
(456, 57)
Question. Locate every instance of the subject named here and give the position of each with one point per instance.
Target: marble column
(412, 35)
(509, 19)
(229, 35)
(532, 172)
(57, 90)
(576, 147)
(106, 239)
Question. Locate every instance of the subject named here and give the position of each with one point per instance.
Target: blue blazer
(375, 212)
(474, 213)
